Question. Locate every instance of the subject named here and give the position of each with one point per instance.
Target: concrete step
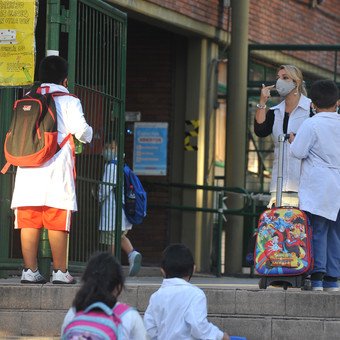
(238, 308)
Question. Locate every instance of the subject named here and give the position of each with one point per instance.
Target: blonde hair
(295, 74)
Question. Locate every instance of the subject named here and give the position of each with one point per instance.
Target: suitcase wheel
(263, 283)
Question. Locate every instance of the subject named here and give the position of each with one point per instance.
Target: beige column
(236, 129)
(193, 164)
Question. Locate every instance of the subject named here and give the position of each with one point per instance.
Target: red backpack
(32, 138)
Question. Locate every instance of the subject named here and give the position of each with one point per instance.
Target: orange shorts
(38, 217)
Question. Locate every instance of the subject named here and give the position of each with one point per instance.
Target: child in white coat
(317, 144)
(106, 195)
(178, 310)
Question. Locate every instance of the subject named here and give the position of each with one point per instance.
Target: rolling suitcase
(283, 249)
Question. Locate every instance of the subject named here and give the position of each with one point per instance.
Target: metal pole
(6, 104)
(72, 38)
(52, 48)
(279, 184)
(121, 139)
(219, 234)
(236, 127)
(52, 27)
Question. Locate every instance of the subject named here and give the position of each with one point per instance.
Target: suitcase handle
(281, 139)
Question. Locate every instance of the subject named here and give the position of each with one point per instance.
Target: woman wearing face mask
(106, 196)
(285, 117)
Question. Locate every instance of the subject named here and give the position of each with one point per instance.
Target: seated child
(178, 310)
(106, 195)
(103, 281)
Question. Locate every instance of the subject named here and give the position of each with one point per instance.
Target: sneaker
(135, 260)
(28, 276)
(58, 277)
(317, 285)
(329, 286)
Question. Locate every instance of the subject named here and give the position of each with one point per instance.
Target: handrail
(294, 47)
(262, 166)
(258, 153)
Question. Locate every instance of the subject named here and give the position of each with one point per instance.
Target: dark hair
(102, 275)
(177, 261)
(53, 69)
(324, 93)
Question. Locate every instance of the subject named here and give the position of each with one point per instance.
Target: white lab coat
(106, 195)
(53, 184)
(317, 145)
(178, 311)
(291, 165)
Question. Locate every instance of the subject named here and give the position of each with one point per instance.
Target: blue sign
(150, 149)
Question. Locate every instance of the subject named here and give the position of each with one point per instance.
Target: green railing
(220, 208)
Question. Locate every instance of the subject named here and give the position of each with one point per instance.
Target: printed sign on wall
(17, 22)
(150, 149)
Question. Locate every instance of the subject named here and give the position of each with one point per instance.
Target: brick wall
(211, 12)
(293, 21)
(271, 21)
(149, 89)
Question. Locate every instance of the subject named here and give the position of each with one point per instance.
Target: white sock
(130, 254)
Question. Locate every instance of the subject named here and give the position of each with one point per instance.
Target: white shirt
(106, 195)
(317, 144)
(132, 324)
(178, 311)
(52, 184)
(291, 165)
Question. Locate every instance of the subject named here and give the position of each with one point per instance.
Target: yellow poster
(17, 23)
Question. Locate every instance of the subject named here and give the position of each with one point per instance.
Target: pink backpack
(96, 322)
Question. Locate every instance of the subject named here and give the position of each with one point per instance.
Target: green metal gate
(97, 55)
(92, 35)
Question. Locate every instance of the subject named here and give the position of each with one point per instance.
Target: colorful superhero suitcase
(283, 249)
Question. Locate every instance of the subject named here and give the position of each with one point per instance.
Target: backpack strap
(5, 168)
(121, 308)
(45, 90)
(65, 140)
(60, 94)
(106, 309)
(118, 310)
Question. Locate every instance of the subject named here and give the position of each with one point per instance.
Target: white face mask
(109, 154)
(284, 87)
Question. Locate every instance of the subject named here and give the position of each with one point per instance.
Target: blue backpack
(132, 185)
(139, 213)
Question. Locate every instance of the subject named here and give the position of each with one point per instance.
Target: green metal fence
(97, 54)
(96, 47)
(9, 238)
(219, 209)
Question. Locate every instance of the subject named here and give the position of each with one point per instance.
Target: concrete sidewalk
(151, 276)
